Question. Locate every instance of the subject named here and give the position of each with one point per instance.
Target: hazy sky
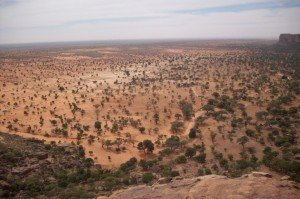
(23, 21)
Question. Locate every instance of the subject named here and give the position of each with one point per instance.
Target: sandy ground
(123, 88)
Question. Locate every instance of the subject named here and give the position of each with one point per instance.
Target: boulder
(164, 180)
(285, 178)
(261, 174)
(4, 185)
(297, 157)
(32, 160)
(52, 180)
(184, 182)
(97, 166)
(41, 155)
(3, 171)
(21, 170)
(177, 178)
(102, 197)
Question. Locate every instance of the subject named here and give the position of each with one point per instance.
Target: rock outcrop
(254, 185)
(289, 38)
(28, 166)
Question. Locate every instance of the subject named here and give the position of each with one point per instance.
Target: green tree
(173, 142)
(187, 109)
(156, 118)
(108, 143)
(192, 133)
(243, 140)
(208, 108)
(97, 126)
(201, 158)
(142, 129)
(190, 152)
(177, 126)
(146, 145)
(140, 146)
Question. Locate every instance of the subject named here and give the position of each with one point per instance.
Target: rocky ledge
(254, 185)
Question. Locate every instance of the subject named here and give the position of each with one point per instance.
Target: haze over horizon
(34, 21)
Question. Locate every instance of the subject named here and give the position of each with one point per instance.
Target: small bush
(180, 159)
(147, 177)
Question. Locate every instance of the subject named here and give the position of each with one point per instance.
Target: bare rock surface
(254, 185)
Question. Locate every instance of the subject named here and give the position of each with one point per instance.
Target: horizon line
(142, 39)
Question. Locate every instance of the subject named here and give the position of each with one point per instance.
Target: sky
(30, 21)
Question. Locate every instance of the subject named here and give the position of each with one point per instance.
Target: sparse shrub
(180, 159)
(129, 165)
(201, 158)
(147, 177)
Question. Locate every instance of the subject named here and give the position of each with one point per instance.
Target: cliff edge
(289, 38)
(254, 185)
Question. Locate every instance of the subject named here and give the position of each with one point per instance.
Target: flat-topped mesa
(289, 38)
